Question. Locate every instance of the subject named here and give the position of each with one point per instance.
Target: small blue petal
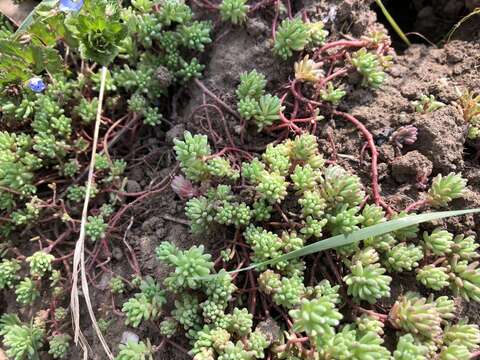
(36, 84)
(71, 5)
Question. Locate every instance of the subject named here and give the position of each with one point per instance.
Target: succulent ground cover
(247, 297)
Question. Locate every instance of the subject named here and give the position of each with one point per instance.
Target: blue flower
(71, 5)
(36, 84)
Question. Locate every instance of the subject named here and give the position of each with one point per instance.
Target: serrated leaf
(19, 61)
(30, 19)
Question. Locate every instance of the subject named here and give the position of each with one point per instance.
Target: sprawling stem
(373, 151)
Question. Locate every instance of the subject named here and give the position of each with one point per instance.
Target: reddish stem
(226, 149)
(222, 117)
(377, 198)
(275, 20)
(259, 5)
(381, 317)
(216, 98)
(415, 205)
(61, 238)
(289, 9)
(475, 355)
(330, 77)
(343, 43)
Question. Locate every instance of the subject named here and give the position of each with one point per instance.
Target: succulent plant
(416, 315)
(454, 351)
(27, 291)
(247, 108)
(240, 322)
(427, 104)
(308, 70)
(272, 187)
(446, 188)
(408, 349)
(332, 94)
(370, 66)
(340, 187)
(403, 257)
(433, 277)
(252, 85)
(367, 282)
(21, 341)
(257, 343)
(190, 265)
(465, 279)
(145, 305)
(292, 35)
(465, 247)
(462, 333)
(439, 242)
(220, 288)
(348, 343)
(268, 110)
(187, 312)
(134, 351)
(190, 152)
(445, 306)
(9, 269)
(369, 323)
(117, 286)
(59, 345)
(344, 220)
(40, 263)
(269, 281)
(95, 227)
(317, 317)
(289, 292)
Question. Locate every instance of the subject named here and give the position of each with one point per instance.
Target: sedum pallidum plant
(368, 57)
(470, 105)
(48, 104)
(43, 117)
(276, 203)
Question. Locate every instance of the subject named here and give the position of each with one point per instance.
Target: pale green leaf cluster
(445, 189)
(135, 351)
(21, 341)
(295, 35)
(427, 104)
(59, 345)
(371, 66)
(196, 159)
(145, 305)
(254, 104)
(234, 11)
(40, 263)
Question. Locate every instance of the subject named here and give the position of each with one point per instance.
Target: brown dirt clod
(441, 138)
(411, 166)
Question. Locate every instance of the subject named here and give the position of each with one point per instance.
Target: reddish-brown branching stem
(379, 316)
(416, 205)
(217, 99)
(377, 198)
(343, 43)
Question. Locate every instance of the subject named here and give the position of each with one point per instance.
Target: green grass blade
(458, 24)
(393, 23)
(362, 234)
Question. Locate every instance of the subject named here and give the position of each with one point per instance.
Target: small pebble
(129, 336)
